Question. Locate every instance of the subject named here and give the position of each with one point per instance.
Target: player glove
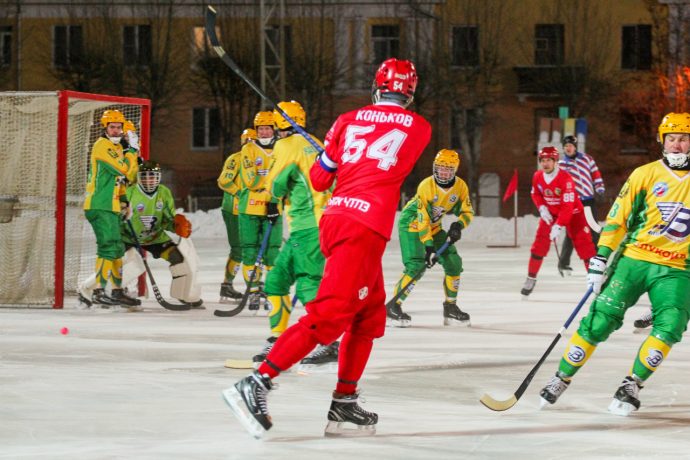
(272, 213)
(555, 232)
(454, 232)
(545, 214)
(182, 226)
(125, 210)
(430, 257)
(133, 140)
(595, 273)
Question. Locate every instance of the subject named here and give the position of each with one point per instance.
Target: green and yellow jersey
(229, 182)
(423, 213)
(151, 215)
(108, 169)
(289, 178)
(254, 167)
(651, 217)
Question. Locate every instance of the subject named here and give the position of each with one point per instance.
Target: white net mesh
(28, 187)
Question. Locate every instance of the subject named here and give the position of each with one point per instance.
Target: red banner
(512, 186)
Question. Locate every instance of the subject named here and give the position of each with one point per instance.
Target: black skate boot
(324, 358)
(644, 321)
(565, 270)
(247, 400)
(128, 302)
(554, 389)
(528, 287)
(452, 315)
(198, 305)
(396, 317)
(345, 410)
(84, 302)
(100, 297)
(256, 300)
(259, 358)
(627, 396)
(228, 293)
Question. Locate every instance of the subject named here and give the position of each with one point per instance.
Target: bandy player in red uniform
(369, 152)
(553, 193)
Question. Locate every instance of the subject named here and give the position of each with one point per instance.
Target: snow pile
(489, 230)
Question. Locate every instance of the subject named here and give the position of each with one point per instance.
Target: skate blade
(390, 322)
(525, 297)
(543, 403)
(339, 429)
(328, 368)
(229, 300)
(456, 322)
(621, 408)
(234, 400)
(133, 308)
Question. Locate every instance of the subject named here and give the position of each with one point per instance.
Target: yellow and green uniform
(108, 172)
(420, 225)
(300, 261)
(230, 183)
(254, 197)
(650, 222)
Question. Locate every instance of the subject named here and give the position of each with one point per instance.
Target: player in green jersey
(109, 171)
(650, 225)
(421, 235)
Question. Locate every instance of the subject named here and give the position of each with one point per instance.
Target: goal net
(46, 245)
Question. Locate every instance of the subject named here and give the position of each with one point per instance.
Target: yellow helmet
(446, 164)
(294, 110)
(112, 116)
(264, 119)
(676, 123)
(129, 126)
(247, 134)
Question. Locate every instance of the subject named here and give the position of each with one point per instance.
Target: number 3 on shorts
(385, 148)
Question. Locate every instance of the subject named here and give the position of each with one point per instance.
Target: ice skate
(553, 389)
(198, 305)
(528, 287)
(228, 293)
(84, 302)
(565, 270)
(453, 316)
(247, 400)
(100, 297)
(644, 321)
(324, 358)
(125, 301)
(396, 317)
(347, 418)
(626, 399)
(259, 358)
(256, 300)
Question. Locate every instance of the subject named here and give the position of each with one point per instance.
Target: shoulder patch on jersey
(231, 165)
(453, 198)
(624, 190)
(140, 207)
(159, 205)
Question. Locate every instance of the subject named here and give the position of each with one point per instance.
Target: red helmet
(549, 152)
(395, 78)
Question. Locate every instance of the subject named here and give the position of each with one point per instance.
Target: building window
(465, 46)
(205, 128)
(463, 120)
(273, 36)
(634, 132)
(68, 44)
(136, 42)
(385, 41)
(636, 48)
(548, 44)
(5, 46)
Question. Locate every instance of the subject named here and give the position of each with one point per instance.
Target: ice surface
(148, 385)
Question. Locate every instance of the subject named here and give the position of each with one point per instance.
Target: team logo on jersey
(624, 190)
(159, 205)
(547, 192)
(557, 191)
(654, 358)
(259, 161)
(453, 198)
(576, 354)
(363, 293)
(676, 218)
(140, 207)
(232, 164)
(148, 222)
(435, 198)
(437, 212)
(659, 189)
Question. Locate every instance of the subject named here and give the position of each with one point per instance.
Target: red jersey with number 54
(370, 152)
(557, 194)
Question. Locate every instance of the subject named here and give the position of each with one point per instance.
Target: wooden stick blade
(239, 363)
(497, 405)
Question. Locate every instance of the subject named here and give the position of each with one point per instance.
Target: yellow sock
(578, 351)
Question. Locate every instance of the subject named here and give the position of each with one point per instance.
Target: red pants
(351, 296)
(577, 230)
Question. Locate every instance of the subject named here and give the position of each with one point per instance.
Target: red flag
(512, 187)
